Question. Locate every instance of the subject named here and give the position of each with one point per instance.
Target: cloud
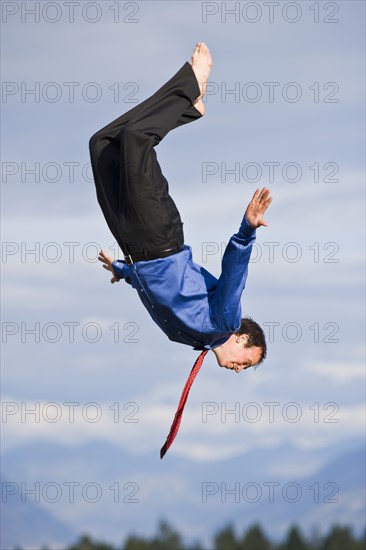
(141, 425)
(339, 372)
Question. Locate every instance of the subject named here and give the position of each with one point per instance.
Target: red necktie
(178, 415)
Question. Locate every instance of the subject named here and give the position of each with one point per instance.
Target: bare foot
(201, 65)
(200, 106)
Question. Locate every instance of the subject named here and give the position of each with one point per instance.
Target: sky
(285, 110)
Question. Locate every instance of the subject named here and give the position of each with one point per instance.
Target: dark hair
(255, 335)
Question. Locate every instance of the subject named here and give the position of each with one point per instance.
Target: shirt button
(142, 290)
(153, 307)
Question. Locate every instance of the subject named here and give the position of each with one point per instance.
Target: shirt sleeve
(225, 309)
(120, 270)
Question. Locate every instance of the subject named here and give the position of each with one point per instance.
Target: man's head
(245, 348)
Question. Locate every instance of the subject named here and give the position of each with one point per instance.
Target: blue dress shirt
(189, 304)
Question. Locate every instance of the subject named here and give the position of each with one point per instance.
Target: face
(235, 356)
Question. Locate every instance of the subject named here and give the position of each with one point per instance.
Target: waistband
(153, 255)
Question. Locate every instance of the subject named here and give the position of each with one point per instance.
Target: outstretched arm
(225, 310)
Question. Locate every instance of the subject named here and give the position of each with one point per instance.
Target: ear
(244, 339)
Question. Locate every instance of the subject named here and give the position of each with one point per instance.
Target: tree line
(254, 538)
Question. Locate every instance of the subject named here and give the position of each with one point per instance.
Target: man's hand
(257, 207)
(107, 264)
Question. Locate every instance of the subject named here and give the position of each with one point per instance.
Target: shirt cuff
(246, 229)
(119, 269)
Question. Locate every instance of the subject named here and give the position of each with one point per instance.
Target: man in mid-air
(189, 304)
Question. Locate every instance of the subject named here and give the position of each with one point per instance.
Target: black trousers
(131, 188)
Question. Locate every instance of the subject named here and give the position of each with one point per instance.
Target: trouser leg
(131, 189)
